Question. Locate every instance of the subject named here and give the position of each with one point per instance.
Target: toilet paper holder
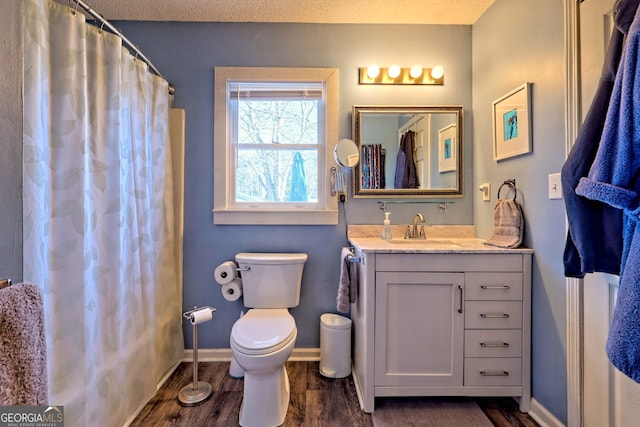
(198, 391)
(187, 314)
(224, 273)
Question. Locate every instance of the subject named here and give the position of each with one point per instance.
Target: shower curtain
(98, 216)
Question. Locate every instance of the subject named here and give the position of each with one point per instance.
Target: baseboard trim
(543, 416)
(224, 355)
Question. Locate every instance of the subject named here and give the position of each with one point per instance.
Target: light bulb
(437, 72)
(394, 71)
(373, 71)
(415, 72)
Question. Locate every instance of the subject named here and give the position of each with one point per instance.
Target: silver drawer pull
(494, 344)
(494, 373)
(503, 287)
(494, 316)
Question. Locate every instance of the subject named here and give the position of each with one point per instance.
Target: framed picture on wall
(512, 123)
(447, 148)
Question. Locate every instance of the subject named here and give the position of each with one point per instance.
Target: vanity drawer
(499, 371)
(449, 262)
(493, 343)
(493, 315)
(493, 286)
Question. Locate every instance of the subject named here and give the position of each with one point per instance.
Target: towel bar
(354, 259)
(4, 283)
(511, 183)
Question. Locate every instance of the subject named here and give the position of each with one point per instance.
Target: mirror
(346, 153)
(408, 151)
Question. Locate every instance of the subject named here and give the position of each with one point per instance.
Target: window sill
(267, 217)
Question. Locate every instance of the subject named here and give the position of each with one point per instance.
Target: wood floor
(315, 401)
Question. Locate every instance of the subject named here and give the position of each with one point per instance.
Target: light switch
(555, 186)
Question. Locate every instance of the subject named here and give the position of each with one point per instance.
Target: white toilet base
(266, 398)
(235, 371)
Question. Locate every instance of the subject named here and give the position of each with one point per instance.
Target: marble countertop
(440, 239)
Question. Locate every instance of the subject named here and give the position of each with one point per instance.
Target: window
(274, 130)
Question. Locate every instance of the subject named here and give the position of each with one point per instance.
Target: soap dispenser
(386, 228)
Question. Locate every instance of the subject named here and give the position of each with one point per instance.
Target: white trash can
(335, 345)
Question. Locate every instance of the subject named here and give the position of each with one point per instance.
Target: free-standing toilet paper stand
(199, 391)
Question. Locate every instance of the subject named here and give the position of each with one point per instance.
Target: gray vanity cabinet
(419, 327)
(443, 324)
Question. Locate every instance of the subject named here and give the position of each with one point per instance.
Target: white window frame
(224, 212)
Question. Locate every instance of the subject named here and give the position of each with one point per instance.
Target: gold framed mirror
(408, 151)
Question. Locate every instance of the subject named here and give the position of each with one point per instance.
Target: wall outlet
(555, 186)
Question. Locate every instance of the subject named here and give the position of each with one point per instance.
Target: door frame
(575, 297)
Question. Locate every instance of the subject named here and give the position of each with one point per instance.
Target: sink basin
(426, 242)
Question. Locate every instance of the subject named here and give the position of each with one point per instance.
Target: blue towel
(593, 239)
(614, 179)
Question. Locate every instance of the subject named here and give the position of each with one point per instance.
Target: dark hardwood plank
(315, 401)
(164, 405)
(332, 401)
(504, 412)
(297, 372)
(221, 410)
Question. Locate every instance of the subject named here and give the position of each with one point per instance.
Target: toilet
(262, 340)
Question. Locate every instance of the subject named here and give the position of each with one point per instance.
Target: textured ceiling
(464, 12)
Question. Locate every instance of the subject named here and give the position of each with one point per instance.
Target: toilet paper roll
(232, 291)
(225, 272)
(201, 316)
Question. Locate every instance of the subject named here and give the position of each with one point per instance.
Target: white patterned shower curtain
(98, 216)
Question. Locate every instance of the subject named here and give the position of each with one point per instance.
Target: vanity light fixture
(373, 71)
(395, 75)
(437, 72)
(415, 71)
(393, 71)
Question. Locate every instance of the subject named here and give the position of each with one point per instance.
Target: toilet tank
(271, 280)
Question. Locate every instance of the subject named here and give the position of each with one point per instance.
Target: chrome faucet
(417, 230)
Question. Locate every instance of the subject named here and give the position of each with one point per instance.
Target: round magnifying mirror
(346, 153)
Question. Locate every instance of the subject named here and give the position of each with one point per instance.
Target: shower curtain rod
(105, 23)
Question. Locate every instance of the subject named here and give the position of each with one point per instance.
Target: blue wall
(513, 43)
(186, 54)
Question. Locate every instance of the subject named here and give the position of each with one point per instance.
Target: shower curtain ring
(75, 10)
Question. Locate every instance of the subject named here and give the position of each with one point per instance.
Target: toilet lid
(263, 330)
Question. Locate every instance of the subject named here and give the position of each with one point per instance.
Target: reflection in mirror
(413, 151)
(346, 153)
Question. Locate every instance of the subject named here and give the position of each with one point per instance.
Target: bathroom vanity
(441, 317)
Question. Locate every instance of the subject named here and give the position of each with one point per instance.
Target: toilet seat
(263, 331)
